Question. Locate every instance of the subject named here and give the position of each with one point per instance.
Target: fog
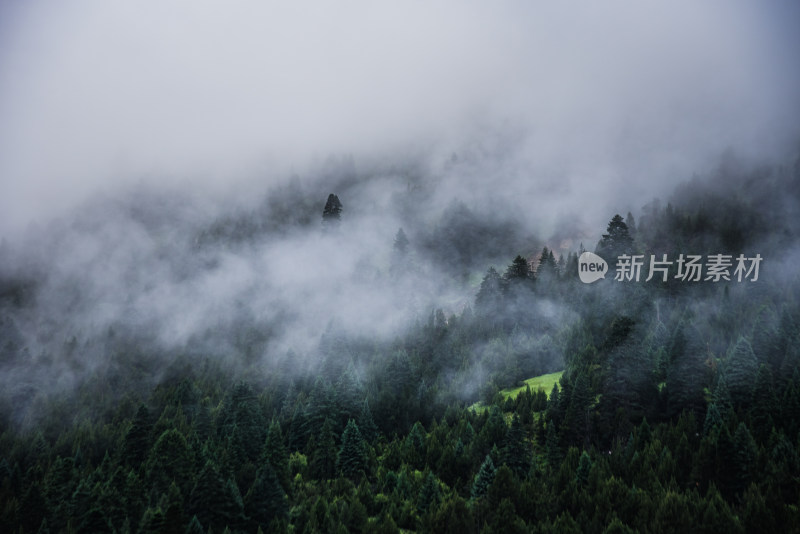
(163, 167)
(555, 101)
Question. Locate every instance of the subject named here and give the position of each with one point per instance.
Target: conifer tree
(741, 372)
(332, 212)
(266, 500)
(351, 460)
(275, 454)
(429, 494)
(516, 453)
(322, 460)
(483, 479)
(369, 431)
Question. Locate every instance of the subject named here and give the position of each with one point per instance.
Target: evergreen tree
(490, 294)
(266, 499)
(630, 222)
(400, 243)
(170, 459)
(275, 454)
(194, 526)
(616, 241)
(322, 461)
(137, 440)
(32, 508)
(741, 372)
(687, 373)
(746, 456)
(332, 212)
(713, 420)
(483, 479)
(552, 449)
(584, 466)
(547, 269)
(764, 405)
(216, 502)
(516, 453)
(367, 424)
(519, 271)
(429, 495)
(351, 460)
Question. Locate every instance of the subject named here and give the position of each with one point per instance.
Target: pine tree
(746, 456)
(275, 454)
(741, 372)
(713, 420)
(616, 241)
(216, 502)
(429, 494)
(552, 448)
(351, 460)
(194, 526)
(490, 294)
(483, 479)
(547, 269)
(518, 271)
(32, 508)
(241, 411)
(137, 440)
(516, 453)
(266, 500)
(765, 404)
(332, 212)
(687, 373)
(401, 243)
(630, 222)
(170, 459)
(322, 462)
(584, 466)
(369, 431)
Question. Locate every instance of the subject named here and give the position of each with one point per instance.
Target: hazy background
(558, 103)
(164, 165)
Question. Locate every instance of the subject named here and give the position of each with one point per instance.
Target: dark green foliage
(266, 500)
(366, 424)
(194, 526)
(490, 295)
(584, 466)
(351, 460)
(323, 455)
(275, 454)
(429, 495)
(687, 373)
(516, 453)
(215, 501)
(170, 459)
(618, 447)
(137, 440)
(740, 372)
(483, 479)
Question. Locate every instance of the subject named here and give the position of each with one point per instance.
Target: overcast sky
(592, 96)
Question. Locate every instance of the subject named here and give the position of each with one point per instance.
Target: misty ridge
(147, 278)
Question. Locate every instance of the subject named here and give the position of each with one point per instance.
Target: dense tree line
(678, 410)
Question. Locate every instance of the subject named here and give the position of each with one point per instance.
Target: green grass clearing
(545, 382)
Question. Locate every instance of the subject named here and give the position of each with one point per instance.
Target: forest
(678, 409)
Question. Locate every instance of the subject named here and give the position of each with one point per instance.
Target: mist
(164, 170)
